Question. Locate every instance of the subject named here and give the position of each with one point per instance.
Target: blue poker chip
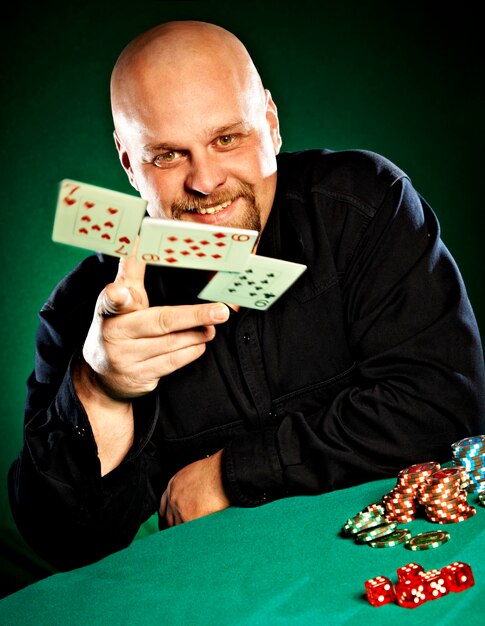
(477, 484)
(477, 474)
(468, 443)
(469, 453)
(472, 464)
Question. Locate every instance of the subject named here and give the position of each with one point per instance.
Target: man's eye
(226, 140)
(166, 158)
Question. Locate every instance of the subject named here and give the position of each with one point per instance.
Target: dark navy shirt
(370, 362)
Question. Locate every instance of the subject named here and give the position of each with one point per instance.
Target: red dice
(459, 576)
(379, 591)
(411, 593)
(415, 586)
(409, 571)
(435, 584)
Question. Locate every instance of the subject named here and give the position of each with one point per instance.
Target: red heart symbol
(85, 218)
(96, 227)
(69, 201)
(105, 236)
(125, 240)
(84, 231)
(112, 211)
(109, 224)
(89, 205)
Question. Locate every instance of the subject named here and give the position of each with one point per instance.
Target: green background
(402, 79)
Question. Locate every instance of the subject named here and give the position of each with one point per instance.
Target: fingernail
(219, 313)
(114, 306)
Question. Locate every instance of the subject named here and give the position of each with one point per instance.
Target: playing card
(192, 245)
(97, 219)
(258, 286)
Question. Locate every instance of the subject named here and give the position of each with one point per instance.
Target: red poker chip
(419, 468)
(395, 510)
(399, 501)
(445, 475)
(440, 495)
(455, 520)
(455, 511)
(440, 501)
(401, 514)
(403, 489)
(458, 513)
(460, 497)
(449, 516)
(447, 510)
(401, 519)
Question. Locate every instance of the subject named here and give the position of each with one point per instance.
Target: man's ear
(125, 160)
(273, 121)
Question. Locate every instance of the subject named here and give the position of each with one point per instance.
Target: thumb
(131, 271)
(131, 274)
(116, 299)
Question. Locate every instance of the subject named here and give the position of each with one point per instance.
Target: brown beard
(249, 219)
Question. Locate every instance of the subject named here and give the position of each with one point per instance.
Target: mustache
(190, 202)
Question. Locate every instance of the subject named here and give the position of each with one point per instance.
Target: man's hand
(130, 346)
(195, 491)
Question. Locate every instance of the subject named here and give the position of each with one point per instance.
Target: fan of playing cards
(109, 222)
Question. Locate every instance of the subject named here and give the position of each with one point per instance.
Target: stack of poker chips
(469, 453)
(442, 493)
(444, 496)
(372, 527)
(401, 502)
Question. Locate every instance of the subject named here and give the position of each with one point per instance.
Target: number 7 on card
(97, 219)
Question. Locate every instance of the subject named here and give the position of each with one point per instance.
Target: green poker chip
(373, 523)
(481, 499)
(362, 521)
(376, 533)
(392, 539)
(427, 541)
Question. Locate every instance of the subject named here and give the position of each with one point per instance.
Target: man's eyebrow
(212, 132)
(230, 128)
(159, 147)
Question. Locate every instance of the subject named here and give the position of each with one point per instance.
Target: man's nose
(205, 175)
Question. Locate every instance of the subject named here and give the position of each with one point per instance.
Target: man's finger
(161, 320)
(163, 504)
(131, 277)
(164, 364)
(116, 299)
(165, 510)
(131, 271)
(143, 349)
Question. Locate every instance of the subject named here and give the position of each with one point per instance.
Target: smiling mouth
(210, 210)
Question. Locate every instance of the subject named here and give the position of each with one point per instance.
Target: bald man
(143, 399)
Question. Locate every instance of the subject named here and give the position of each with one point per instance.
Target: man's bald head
(175, 55)
(195, 130)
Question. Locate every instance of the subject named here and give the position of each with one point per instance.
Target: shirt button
(246, 338)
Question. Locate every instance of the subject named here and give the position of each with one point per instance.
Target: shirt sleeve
(64, 509)
(418, 382)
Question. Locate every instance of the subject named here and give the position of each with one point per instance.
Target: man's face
(202, 150)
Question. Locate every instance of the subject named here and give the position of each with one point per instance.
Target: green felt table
(282, 563)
